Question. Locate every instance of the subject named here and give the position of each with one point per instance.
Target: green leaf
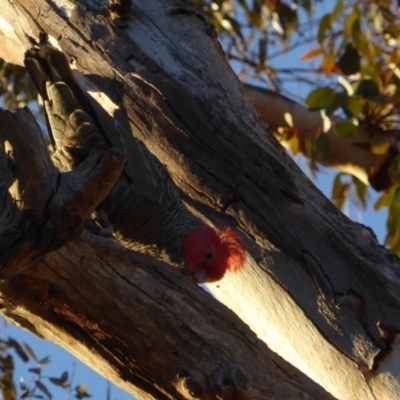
(322, 148)
(339, 101)
(287, 17)
(58, 382)
(349, 61)
(393, 223)
(44, 361)
(309, 144)
(81, 392)
(19, 350)
(353, 106)
(361, 190)
(36, 371)
(29, 350)
(340, 191)
(324, 25)
(346, 128)
(64, 376)
(367, 89)
(338, 8)
(320, 98)
(43, 389)
(262, 52)
(394, 170)
(391, 89)
(294, 145)
(349, 21)
(375, 16)
(379, 145)
(383, 201)
(62, 381)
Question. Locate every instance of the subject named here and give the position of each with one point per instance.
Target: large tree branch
(137, 321)
(317, 288)
(351, 155)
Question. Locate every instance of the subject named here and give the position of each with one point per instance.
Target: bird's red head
(208, 253)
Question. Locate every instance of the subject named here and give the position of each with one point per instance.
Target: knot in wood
(231, 383)
(191, 384)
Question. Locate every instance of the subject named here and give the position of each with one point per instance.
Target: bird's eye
(209, 255)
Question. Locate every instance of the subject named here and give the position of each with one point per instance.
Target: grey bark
(141, 324)
(317, 288)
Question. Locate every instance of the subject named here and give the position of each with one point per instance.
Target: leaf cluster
(350, 59)
(36, 385)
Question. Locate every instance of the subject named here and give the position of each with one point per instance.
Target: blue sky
(96, 385)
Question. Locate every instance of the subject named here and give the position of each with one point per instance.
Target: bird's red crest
(235, 248)
(209, 253)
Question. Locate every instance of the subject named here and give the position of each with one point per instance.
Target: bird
(144, 211)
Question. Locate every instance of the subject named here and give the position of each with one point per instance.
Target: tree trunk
(317, 288)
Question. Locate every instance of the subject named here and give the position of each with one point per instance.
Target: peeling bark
(316, 287)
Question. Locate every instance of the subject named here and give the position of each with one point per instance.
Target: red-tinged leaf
(328, 64)
(311, 54)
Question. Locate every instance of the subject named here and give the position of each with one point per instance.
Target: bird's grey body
(144, 209)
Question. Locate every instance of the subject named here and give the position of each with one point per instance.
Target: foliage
(16, 89)
(37, 385)
(350, 50)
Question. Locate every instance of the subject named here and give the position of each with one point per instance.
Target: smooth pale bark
(351, 155)
(317, 288)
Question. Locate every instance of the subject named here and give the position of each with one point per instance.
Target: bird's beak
(199, 275)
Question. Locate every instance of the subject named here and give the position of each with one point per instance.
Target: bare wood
(139, 322)
(316, 286)
(350, 155)
(42, 209)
